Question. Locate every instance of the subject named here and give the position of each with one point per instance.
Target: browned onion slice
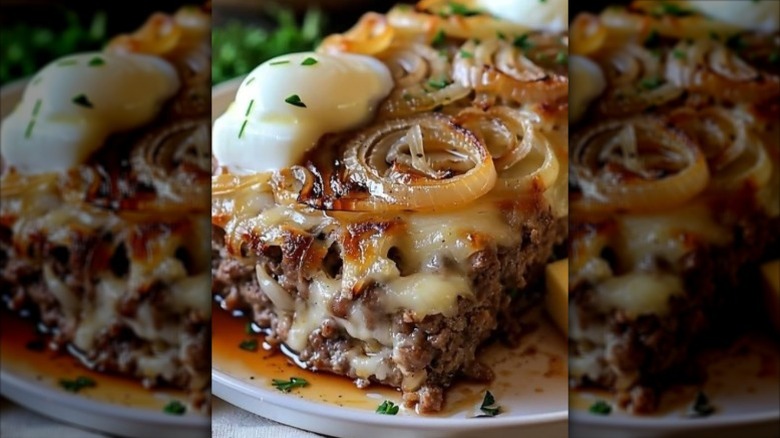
(709, 67)
(422, 80)
(371, 35)
(176, 161)
(636, 81)
(529, 75)
(419, 163)
(637, 164)
(735, 155)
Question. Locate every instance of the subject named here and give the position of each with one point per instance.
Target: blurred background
(34, 32)
(248, 32)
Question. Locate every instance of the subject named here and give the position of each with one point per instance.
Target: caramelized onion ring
(636, 81)
(498, 67)
(159, 35)
(375, 177)
(735, 155)
(709, 67)
(176, 161)
(422, 78)
(636, 164)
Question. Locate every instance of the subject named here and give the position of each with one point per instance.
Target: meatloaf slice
(409, 309)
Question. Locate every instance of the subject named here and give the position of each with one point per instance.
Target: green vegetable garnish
(701, 406)
(289, 385)
(77, 384)
(600, 408)
(309, 61)
(387, 408)
(489, 406)
(522, 42)
(82, 100)
(96, 62)
(295, 100)
(651, 83)
(175, 407)
(248, 344)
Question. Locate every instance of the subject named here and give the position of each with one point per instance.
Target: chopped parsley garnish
(522, 42)
(679, 54)
(489, 406)
(652, 38)
(82, 100)
(438, 84)
(37, 107)
(295, 100)
(250, 80)
(309, 61)
(77, 384)
(651, 83)
(407, 97)
(455, 8)
(289, 385)
(280, 62)
(387, 408)
(671, 9)
(501, 35)
(701, 406)
(67, 62)
(249, 328)
(249, 108)
(438, 38)
(562, 57)
(96, 62)
(241, 134)
(248, 344)
(466, 54)
(175, 407)
(28, 131)
(600, 408)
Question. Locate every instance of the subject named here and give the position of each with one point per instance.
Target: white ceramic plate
(116, 405)
(531, 383)
(743, 385)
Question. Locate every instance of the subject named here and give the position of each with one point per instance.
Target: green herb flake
(77, 384)
(652, 39)
(651, 83)
(309, 61)
(280, 62)
(466, 54)
(701, 406)
(562, 57)
(175, 407)
(67, 62)
(600, 408)
(28, 131)
(36, 108)
(671, 9)
(438, 84)
(501, 35)
(247, 344)
(249, 108)
(82, 100)
(289, 385)
(678, 54)
(438, 38)
(522, 42)
(295, 100)
(407, 97)
(387, 408)
(489, 407)
(250, 80)
(455, 8)
(96, 62)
